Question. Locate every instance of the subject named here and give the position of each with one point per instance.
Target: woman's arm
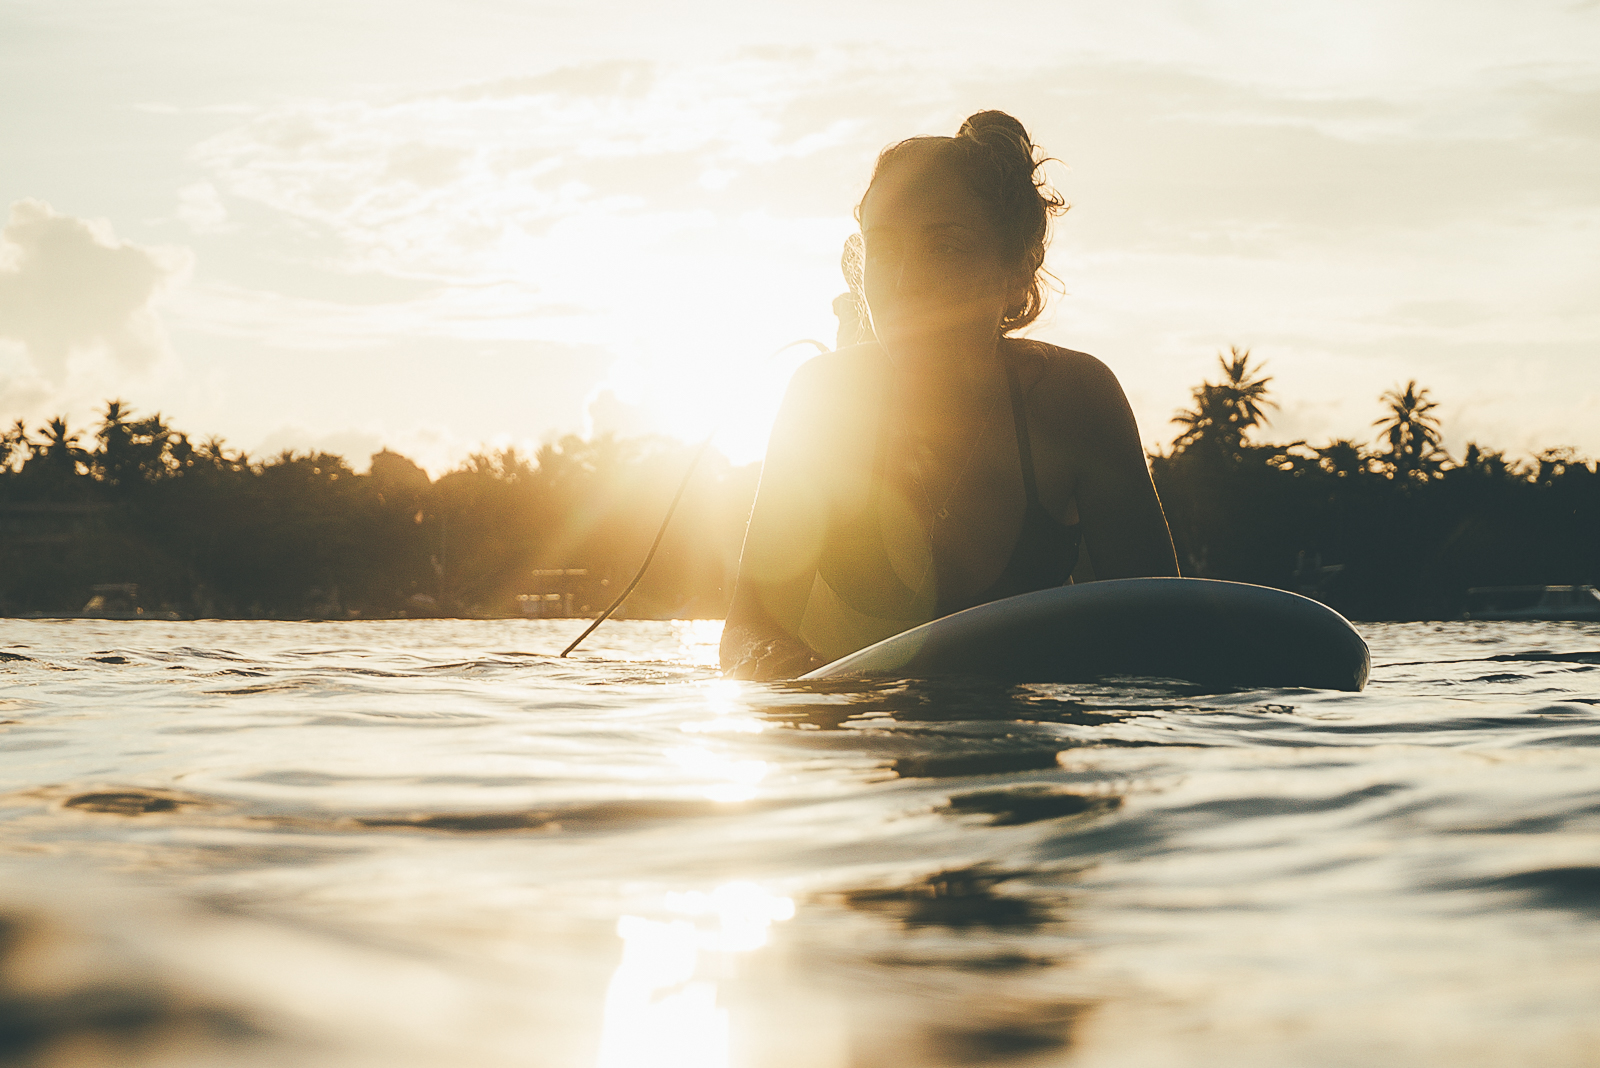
(782, 542)
(1123, 525)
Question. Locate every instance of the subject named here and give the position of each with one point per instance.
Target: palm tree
(14, 445)
(132, 451)
(1412, 432)
(1210, 420)
(1225, 411)
(182, 451)
(1343, 459)
(59, 454)
(1247, 395)
(1488, 463)
(115, 440)
(213, 453)
(150, 439)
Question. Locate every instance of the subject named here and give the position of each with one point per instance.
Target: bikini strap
(1019, 413)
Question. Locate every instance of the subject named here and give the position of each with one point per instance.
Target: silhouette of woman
(944, 463)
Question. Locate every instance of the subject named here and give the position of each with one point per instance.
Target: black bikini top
(857, 568)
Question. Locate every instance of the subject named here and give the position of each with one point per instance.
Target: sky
(442, 227)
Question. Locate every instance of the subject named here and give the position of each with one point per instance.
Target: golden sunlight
(662, 1008)
(734, 780)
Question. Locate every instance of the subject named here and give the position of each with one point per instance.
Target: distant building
(554, 593)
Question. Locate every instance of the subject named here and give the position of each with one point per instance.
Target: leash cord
(673, 507)
(649, 556)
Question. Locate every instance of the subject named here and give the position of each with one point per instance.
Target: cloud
(685, 217)
(644, 208)
(201, 209)
(21, 394)
(495, 312)
(69, 286)
(476, 182)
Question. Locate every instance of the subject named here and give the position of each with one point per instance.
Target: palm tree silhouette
(1343, 458)
(1225, 411)
(59, 455)
(1248, 395)
(15, 445)
(115, 440)
(1412, 432)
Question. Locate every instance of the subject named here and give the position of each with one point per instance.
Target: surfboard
(1206, 631)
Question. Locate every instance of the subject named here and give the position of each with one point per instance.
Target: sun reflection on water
(729, 714)
(661, 1007)
(737, 779)
(697, 640)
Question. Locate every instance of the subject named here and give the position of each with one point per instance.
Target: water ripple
(498, 856)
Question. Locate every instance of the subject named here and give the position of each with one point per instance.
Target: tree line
(206, 531)
(1388, 528)
(1391, 529)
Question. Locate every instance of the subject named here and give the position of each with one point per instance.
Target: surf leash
(666, 519)
(649, 556)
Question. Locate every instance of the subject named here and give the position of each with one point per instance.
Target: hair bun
(990, 127)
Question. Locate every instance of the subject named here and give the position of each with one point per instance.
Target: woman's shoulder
(834, 390)
(841, 372)
(852, 361)
(1074, 396)
(1060, 376)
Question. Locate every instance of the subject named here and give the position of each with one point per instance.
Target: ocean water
(433, 843)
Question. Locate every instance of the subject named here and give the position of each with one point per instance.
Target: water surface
(433, 843)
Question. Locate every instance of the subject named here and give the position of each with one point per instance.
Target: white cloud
(469, 184)
(68, 286)
(686, 218)
(23, 392)
(565, 209)
(507, 311)
(200, 208)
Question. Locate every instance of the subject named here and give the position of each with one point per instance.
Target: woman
(946, 463)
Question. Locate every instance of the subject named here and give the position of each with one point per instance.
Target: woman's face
(935, 281)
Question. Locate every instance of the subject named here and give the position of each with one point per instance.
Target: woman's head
(956, 229)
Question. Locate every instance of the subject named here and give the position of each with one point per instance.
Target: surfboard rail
(1206, 631)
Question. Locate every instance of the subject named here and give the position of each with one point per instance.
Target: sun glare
(707, 344)
(731, 780)
(691, 391)
(729, 715)
(662, 1008)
